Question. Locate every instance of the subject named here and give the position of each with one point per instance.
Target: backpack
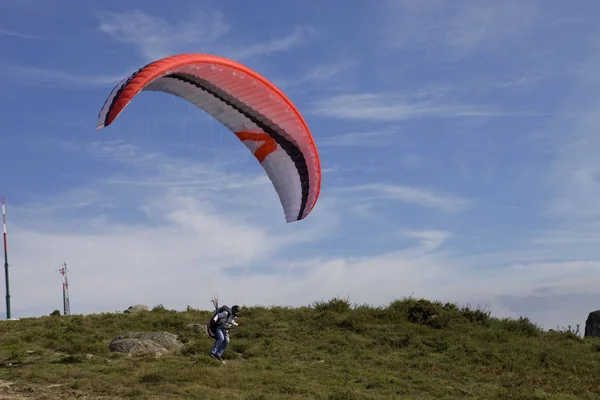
(212, 325)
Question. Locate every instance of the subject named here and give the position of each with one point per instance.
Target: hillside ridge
(410, 349)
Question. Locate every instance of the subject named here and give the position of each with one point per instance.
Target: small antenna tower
(65, 290)
(6, 260)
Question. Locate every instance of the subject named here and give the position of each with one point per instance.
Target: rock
(145, 342)
(130, 346)
(167, 340)
(136, 308)
(197, 328)
(592, 324)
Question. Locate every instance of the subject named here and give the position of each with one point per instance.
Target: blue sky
(458, 142)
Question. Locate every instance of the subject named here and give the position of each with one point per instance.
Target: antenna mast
(6, 260)
(65, 290)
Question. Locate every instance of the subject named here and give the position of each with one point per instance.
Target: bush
(432, 314)
(335, 305)
(522, 326)
(476, 316)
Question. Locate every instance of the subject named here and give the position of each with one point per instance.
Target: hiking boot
(213, 355)
(219, 358)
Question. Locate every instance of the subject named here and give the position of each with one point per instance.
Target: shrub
(335, 305)
(476, 316)
(522, 326)
(423, 312)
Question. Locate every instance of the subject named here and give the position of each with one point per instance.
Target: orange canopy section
(253, 108)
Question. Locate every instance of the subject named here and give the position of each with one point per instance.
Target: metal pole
(6, 260)
(65, 290)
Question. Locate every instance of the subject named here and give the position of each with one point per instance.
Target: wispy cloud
(52, 78)
(460, 25)
(190, 236)
(228, 186)
(143, 168)
(21, 35)
(428, 240)
(391, 107)
(197, 247)
(360, 139)
(8, 32)
(326, 71)
(573, 133)
(577, 235)
(203, 32)
(424, 270)
(272, 46)
(156, 37)
(576, 172)
(200, 244)
(410, 195)
(326, 77)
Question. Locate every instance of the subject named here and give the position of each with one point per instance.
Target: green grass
(412, 349)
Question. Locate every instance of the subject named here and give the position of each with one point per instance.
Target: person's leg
(224, 343)
(218, 341)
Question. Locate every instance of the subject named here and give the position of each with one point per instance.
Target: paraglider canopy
(253, 108)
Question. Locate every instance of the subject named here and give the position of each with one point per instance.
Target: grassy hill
(412, 349)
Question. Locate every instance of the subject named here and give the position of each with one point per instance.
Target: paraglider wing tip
(290, 220)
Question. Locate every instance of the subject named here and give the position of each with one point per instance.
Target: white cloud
(425, 271)
(460, 25)
(199, 32)
(183, 262)
(388, 107)
(54, 78)
(144, 172)
(183, 244)
(274, 45)
(360, 139)
(576, 172)
(326, 71)
(161, 244)
(406, 194)
(21, 35)
(429, 240)
(8, 32)
(573, 134)
(156, 37)
(319, 78)
(132, 263)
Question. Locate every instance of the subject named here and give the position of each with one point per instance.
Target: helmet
(235, 309)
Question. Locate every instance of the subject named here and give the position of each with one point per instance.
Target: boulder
(130, 346)
(136, 308)
(145, 342)
(592, 324)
